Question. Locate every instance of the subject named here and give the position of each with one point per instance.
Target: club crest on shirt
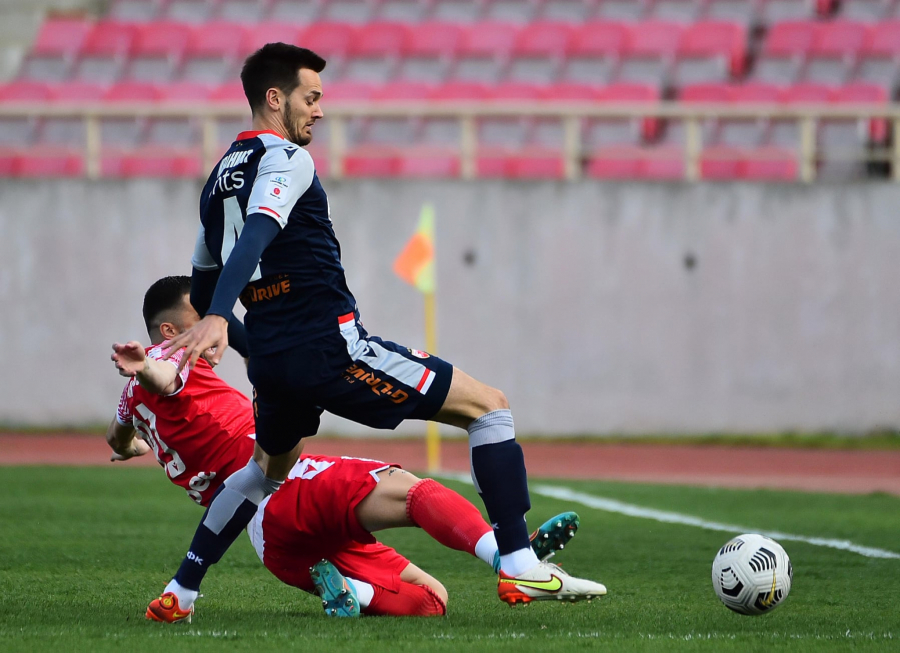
(277, 187)
(417, 353)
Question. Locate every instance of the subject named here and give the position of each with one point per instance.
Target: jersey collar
(251, 134)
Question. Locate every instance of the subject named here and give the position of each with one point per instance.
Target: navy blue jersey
(299, 289)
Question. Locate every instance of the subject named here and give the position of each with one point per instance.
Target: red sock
(445, 515)
(409, 601)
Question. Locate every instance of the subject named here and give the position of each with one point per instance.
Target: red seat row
(77, 38)
(520, 11)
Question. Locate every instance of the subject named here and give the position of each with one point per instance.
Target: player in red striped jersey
(200, 429)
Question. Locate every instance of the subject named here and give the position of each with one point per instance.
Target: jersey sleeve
(156, 353)
(285, 174)
(202, 259)
(125, 411)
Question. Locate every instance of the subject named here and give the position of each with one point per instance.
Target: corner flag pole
(415, 265)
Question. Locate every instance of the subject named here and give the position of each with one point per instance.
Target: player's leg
(282, 419)
(498, 466)
(401, 499)
(418, 595)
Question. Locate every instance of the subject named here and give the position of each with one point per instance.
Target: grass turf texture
(82, 551)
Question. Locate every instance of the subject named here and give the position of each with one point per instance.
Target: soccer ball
(752, 574)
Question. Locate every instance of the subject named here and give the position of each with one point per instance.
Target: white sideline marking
(611, 505)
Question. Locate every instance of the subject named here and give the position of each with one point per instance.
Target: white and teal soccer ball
(752, 574)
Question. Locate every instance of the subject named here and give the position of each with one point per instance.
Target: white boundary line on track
(631, 510)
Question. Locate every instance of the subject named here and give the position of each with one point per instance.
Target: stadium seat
(25, 91)
(678, 11)
(743, 12)
(402, 11)
(777, 11)
(457, 11)
(196, 12)
(244, 12)
(711, 52)
(428, 52)
(331, 40)
(615, 146)
(627, 11)
(138, 11)
(403, 90)
(185, 92)
(748, 133)
(157, 50)
(832, 55)
(372, 53)
(880, 55)
(55, 48)
(520, 12)
(784, 52)
(212, 52)
(48, 161)
(352, 91)
(18, 132)
(294, 12)
(104, 52)
(649, 53)
(594, 52)
(358, 12)
(574, 12)
(844, 144)
(256, 36)
(538, 52)
(483, 52)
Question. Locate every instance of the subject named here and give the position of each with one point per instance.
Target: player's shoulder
(276, 146)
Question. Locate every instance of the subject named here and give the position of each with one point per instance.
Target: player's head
(282, 83)
(167, 308)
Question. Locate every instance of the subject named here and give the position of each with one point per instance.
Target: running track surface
(856, 472)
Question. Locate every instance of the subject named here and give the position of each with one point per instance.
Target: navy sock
(498, 470)
(207, 547)
(231, 509)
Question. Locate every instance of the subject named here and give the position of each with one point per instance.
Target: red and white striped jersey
(200, 434)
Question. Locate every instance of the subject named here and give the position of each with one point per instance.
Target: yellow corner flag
(415, 264)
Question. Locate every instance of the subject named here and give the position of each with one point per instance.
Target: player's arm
(155, 376)
(121, 439)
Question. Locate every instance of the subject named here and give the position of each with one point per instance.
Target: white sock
(518, 562)
(364, 591)
(185, 596)
(486, 548)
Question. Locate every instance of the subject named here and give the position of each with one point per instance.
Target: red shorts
(313, 516)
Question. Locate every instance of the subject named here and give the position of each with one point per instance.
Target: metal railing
(571, 115)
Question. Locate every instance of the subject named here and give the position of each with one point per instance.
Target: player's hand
(129, 358)
(211, 331)
(137, 448)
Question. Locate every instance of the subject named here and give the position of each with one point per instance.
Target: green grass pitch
(82, 551)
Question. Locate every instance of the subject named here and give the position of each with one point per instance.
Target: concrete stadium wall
(597, 308)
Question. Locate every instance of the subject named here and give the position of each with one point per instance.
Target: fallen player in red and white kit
(201, 429)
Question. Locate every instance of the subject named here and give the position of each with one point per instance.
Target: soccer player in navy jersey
(267, 238)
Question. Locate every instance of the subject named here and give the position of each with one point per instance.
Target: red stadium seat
(137, 92)
(256, 36)
(649, 52)
(379, 40)
(784, 52)
(834, 50)
(428, 162)
(329, 39)
(428, 52)
(54, 49)
(61, 37)
(212, 51)
(104, 52)
(465, 91)
(162, 39)
(78, 92)
(48, 161)
(483, 51)
(24, 91)
(573, 92)
(715, 40)
(164, 162)
(594, 51)
(349, 91)
(538, 52)
(880, 55)
(403, 90)
(185, 92)
(231, 92)
(769, 163)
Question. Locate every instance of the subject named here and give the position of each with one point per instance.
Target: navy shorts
(350, 374)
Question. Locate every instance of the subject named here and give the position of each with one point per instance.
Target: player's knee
(491, 400)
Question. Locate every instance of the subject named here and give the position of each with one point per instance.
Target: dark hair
(164, 295)
(275, 65)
